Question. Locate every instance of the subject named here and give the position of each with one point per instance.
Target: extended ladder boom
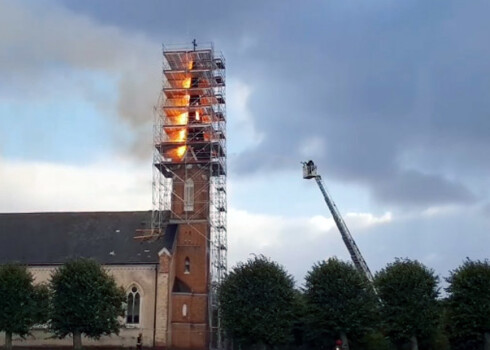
(351, 245)
(309, 172)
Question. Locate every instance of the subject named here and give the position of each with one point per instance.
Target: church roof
(54, 238)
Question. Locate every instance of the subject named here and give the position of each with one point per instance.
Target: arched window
(187, 266)
(189, 195)
(134, 301)
(184, 310)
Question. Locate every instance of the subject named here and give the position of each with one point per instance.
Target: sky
(390, 99)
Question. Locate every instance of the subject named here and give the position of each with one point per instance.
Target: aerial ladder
(310, 172)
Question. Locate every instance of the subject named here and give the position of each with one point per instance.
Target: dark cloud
(420, 189)
(392, 96)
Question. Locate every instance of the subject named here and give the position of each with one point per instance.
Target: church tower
(190, 181)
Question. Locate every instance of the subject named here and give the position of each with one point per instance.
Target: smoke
(138, 92)
(40, 42)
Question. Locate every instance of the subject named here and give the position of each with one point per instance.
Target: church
(154, 277)
(168, 260)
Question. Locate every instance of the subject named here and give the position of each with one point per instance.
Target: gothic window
(134, 301)
(187, 266)
(184, 310)
(189, 195)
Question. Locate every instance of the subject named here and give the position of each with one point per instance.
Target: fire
(181, 151)
(182, 135)
(183, 118)
(182, 101)
(177, 135)
(176, 153)
(197, 116)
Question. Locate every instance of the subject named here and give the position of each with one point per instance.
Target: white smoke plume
(40, 41)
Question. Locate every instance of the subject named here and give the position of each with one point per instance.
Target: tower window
(189, 195)
(134, 301)
(187, 266)
(184, 310)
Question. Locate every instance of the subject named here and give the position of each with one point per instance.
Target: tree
(340, 303)
(42, 299)
(21, 303)
(257, 303)
(85, 301)
(410, 310)
(299, 313)
(468, 306)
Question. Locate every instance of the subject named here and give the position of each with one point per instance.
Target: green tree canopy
(42, 299)
(468, 306)
(299, 312)
(22, 305)
(85, 300)
(410, 310)
(257, 303)
(340, 303)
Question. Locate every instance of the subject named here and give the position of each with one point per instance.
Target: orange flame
(183, 118)
(176, 153)
(181, 101)
(190, 64)
(182, 135)
(181, 151)
(177, 135)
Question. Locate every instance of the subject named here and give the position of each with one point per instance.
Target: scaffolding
(190, 146)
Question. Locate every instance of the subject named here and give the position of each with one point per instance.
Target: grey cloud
(485, 210)
(420, 189)
(387, 86)
(375, 84)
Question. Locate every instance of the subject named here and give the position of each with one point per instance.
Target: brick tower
(190, 181)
